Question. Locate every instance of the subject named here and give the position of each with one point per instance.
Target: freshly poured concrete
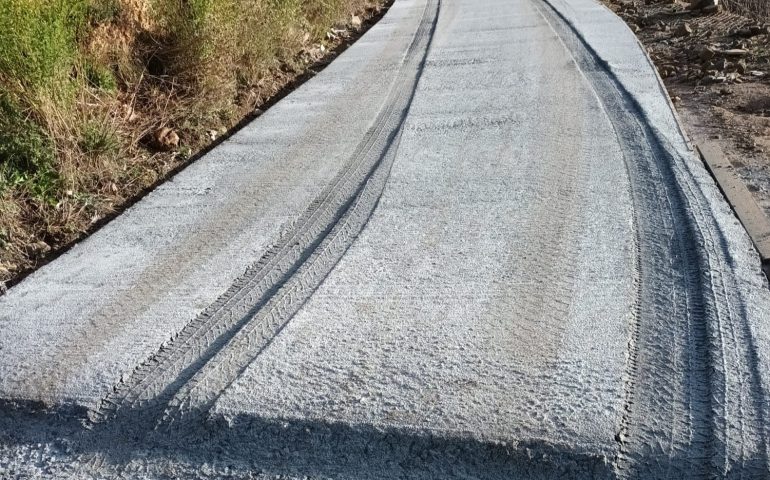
(476, 246)
(74, 327)
(491, 290)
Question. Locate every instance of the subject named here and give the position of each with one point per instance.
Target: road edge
(740, 199)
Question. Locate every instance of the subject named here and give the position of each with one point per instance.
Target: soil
(716, 67)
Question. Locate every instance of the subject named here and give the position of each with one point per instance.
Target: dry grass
(757, 9)
(85, 83)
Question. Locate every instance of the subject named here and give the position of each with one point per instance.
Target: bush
(26, 154)
(100, 77)
(38, 40)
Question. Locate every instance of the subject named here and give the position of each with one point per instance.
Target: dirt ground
(716, 67)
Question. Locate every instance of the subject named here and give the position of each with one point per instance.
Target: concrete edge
(753, 218)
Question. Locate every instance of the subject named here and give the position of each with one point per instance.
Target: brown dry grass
(120, 74)
(758, 9)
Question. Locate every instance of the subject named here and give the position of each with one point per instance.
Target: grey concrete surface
(477, 245)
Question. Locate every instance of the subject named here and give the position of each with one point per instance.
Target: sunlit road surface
(477, 245)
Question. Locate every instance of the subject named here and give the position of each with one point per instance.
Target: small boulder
(355, 21)
(37, 249)
(705, 53)
(165, 139)
(701, 4)
(683, 30)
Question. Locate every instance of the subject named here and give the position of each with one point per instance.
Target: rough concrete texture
(476, 246)
(74, 327)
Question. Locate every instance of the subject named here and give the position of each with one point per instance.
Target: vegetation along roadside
(101, 99)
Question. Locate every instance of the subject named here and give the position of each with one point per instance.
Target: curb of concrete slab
(754, 220)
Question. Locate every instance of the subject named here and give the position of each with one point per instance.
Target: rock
(751, 31)
(721, 64)
(683, 30)
(38, 249)
(705, 53)
(355, 21)
(165, 139)
(701, 4)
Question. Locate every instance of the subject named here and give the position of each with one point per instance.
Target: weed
(100, 77)
(98, 138)
(759, 9)
(38, 40)
(103, 11)
(26, 154)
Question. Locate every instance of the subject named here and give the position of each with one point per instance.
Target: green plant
(82, 80)
(38, 41)
(100, 76)
(26, 154)
(98, 138)
(103, 11)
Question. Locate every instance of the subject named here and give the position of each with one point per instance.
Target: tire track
(668, 377)
(269, 293)
(683, 344)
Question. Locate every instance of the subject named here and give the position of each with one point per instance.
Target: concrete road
(477, 245)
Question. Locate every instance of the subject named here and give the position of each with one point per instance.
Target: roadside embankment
(101, 99)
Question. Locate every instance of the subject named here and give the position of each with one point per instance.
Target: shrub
(26, 154)
(100, 76)
(38, 41)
